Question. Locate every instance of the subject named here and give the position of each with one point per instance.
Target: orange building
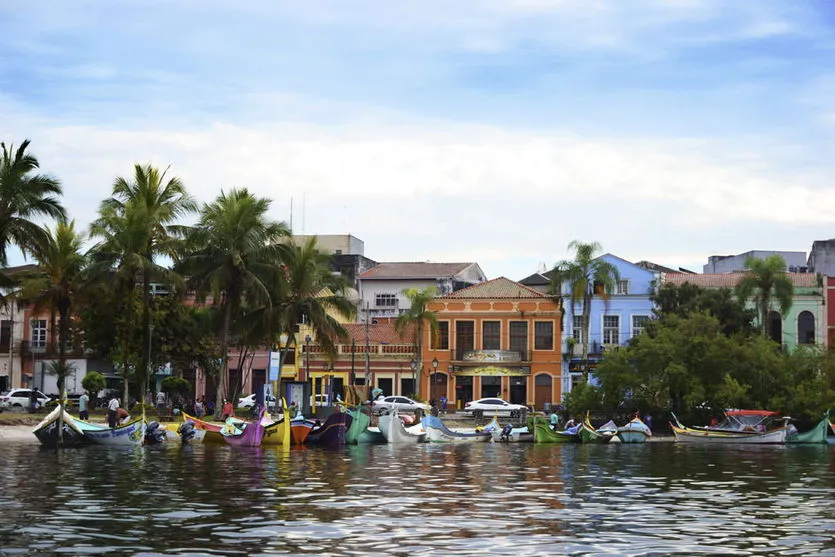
(496, 339)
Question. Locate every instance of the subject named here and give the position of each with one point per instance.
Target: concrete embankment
(16, 433)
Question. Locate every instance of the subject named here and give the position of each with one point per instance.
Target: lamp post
(413, 365)
(435, 374)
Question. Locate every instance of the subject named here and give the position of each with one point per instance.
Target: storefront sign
(576, 366)
(492, 370)
(492, 356)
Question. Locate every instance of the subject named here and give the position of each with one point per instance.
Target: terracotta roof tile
(729, 280)
(414, 270)
(378, 333)
(497, 288)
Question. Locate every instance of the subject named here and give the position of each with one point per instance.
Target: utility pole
(367, 351)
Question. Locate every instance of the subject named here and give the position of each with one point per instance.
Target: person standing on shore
(83, 402)
(112, 407)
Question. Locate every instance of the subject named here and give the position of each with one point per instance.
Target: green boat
(815, 435)
(588, 434)
(543, 433)
(359, 424)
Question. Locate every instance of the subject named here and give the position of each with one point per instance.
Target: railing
(50, 350)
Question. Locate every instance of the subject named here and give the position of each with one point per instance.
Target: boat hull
(688, 435)
(544, 434)
(816, 435)
(394, 431)
(332, 432)
(636, 431)
(588, 434)
(47, 432)
(132, 433)
(277, 433)
(299, 430)
(251, 435)
(359, 423)
(517, 435)
(437, 432)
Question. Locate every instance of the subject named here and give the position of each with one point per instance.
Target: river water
(654, 499)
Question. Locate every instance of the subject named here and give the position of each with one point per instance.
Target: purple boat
(248, 434)
(332, 432)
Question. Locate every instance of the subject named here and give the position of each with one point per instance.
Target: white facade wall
(370, 288)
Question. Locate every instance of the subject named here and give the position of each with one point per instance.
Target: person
(570, 423)
(122, 415)
(160, 399)
(199, 409)
(714, 422)
(83, 402)
(112, 407)
(443, 404)
(648, 421)
(210, 408)
(555, 420)
(226, 410)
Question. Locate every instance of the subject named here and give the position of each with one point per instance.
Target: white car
(494, 407)
(21, 398)
(401, 403)
(249, 401)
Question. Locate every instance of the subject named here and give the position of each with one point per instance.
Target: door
(491, 387)
(542, 391)
(463, 390)
(386, 384)
(407, 387)
(519, 390)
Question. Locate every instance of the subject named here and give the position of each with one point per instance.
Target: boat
(588, 434)
(636, 431)
(131, 433)
(300, 428)
(437, 432)
(332, 432)
(815, 435)
(507, 433)
(244, 434)
(47, 431)
(542, 432)
(278, 432)
(395, 431)
(726, 432)
(212, 434)
(184, 432)
(360, 421)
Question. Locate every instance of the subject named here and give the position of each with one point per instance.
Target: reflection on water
(656, 499)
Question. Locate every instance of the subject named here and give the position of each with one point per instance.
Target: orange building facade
(495, 339)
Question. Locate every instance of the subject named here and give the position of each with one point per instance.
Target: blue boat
(437, 432)
(636, 431)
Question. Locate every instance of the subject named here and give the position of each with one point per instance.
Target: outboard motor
(505, 436)
(154, 434)
(186, 431)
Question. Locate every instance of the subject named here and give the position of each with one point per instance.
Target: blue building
(613, 321)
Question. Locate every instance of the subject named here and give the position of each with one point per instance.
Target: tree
(765, 280)
(585, 276)
(417, 318)
(25, 195)
(233, 254)
(687, 299)
(138, 224)
(94, 382)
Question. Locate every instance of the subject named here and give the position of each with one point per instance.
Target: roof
(497, 288)
(414, 270)
(378, 333)
(649, 265)
(536, 279)
(729, 280)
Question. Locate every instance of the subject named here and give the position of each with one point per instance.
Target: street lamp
(435, 368)
(413, 365)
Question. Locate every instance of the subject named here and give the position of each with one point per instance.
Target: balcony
(49, 350)
(490, 356)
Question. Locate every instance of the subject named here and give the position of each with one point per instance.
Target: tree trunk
(224, 356)
(143, 373)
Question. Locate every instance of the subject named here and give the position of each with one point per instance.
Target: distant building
(822, 257)
(381, 288)
(718, 264)
(347, 254)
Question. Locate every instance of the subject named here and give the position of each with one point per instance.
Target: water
(655, 499)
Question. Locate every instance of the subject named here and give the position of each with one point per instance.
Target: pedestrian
(83, 402)
(648, 421)
(160, 399)
(443, 404)
(112, 407)
(555, 420)
(122, 416)
(227, 411)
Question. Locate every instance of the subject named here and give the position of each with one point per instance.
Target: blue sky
(486, 130)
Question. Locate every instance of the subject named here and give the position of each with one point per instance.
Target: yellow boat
(278, 433)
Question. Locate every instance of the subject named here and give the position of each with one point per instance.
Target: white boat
(636, 431)
(395, 431)
(437, 432)
(746, 427)
(131, 433)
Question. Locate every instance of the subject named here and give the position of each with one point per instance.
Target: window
(491, 335)
(611, 329)
(543, 335)
(639, 323)
(622, 287)
(519, 337)
(599, 289)
(464, 335)
(385, 300)
(441, 340)
(5, 335)
(577, 329)
(806, 328)
(39, 333)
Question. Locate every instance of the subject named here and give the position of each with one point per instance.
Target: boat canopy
(762, 413)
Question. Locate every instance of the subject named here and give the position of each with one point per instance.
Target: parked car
(401, 403)
(319, 400)
(21, 398)
(494, 406)
(249, 401)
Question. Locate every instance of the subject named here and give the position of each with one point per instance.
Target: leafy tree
(687, 299)
(233, 254)
(766, 280)
(94, 382)
(417, 319)
(586, 276)
(176, 387)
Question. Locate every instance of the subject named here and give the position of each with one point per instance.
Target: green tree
(93, 383)
(687, 299)
(765, 280)
(585, 276)
(233, 254)
(417, 319)
(25, 195)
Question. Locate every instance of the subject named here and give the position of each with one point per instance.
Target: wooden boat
(815, 435)
(332, 432)
(47, 432)
(371, 436)
(394, 431)
(722, 434)
(246, 434)
(278, 432)
(544, 434)
(588, 434)
(507, 434)
(174, 429)
(300, 428)
(636, 431)
(212, 434)
(437, 432)
(131, 433)
(359, 423)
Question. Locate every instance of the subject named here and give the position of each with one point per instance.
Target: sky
(494, 131)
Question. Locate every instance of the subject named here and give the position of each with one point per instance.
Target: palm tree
(140, 221)
(233, 254)
(586, 276)
(417, 318)
(765, 280)
(24, 195)
(56, 283)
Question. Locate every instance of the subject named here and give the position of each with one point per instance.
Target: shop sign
(493, 370)
(492, 356)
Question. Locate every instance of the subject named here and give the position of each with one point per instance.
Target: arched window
(806, 328)
(775, 327)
